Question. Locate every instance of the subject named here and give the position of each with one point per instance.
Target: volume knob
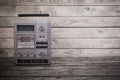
(42, 28)
(42, 54)
(19, 55)
(25, 55)
(32, 55)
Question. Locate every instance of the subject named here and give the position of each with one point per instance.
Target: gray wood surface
(71, 53)
(72, 33)
(60, 2)
(72, 43)
(62, 11)
(60, 78)
(60, 72)
(86, 68)
(70, 61)
(62, 22)
(85, 39)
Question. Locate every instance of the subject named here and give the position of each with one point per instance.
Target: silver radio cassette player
(32, 42)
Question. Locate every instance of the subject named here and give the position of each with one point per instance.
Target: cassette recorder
(32, 42)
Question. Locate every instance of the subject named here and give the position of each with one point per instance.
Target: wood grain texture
(6, 52)
(79, 10)
(71, 53)
(59, 61)
(85, 43)
(77, 33)
(60, 72)
(72, 43)
(7, 10)
(82, 66)
(6, 43)
(6, 32)
(60, 78)
(62, 11)
(96, 22)
(69, 68)
(85, 39)
(85, 68)
(60, 2)
(71, 33)
(4, 2)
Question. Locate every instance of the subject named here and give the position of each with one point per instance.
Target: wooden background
(85, 39)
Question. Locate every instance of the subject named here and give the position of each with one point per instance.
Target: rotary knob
(19, 55)
(25, 55)
(41, 28)
(42, 54)
(32, 55)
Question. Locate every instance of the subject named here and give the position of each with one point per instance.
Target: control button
(32, 55)
(32, 38)
(41, 36)
(19, 55)
(25, 55)
(42, 54)
(42, 28)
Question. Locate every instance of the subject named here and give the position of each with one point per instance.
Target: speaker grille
(31, 61)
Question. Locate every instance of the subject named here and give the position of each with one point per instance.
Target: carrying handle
(33, 15)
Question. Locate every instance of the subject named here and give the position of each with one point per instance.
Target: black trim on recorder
(41, 42)
(41, 46)
(33, 15)
(31, 61)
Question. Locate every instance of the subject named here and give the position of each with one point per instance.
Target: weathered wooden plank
(6, 52)
(93, 64)
(6, 32)
(59, 61)
(61, 11)
(7, 10)
(85, 33)
(61, 78)
(60, 2)
(69, 21)
(4, 2)
(52, 2)
(7, 21)
(85, 53)
(82, 66)
(71, 53)
(60, 72)
(72, 43)
(106, 2)
(8, 43)
(72, 33)
(79, 10)
(85, 43)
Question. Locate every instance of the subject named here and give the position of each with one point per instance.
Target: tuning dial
(42, 28)
(42, 54)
